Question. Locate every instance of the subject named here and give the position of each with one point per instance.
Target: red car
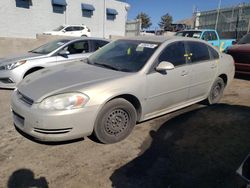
(241, 55)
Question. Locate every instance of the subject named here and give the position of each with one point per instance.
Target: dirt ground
(199, 146)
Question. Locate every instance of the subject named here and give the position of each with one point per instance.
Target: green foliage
(166, 21)
(145, 20)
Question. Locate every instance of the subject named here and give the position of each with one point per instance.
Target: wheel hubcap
(216, 92)
(116, 122)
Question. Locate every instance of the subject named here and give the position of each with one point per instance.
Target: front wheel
(115, 121)
(216, 91)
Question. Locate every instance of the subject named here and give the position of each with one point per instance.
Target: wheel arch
(224, 78)
(133, 100)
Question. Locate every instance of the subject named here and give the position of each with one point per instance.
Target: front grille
(24, 98)
(52, 131)
(243, 58)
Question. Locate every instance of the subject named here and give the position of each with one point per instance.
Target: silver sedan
(14, 69)
(125, 82)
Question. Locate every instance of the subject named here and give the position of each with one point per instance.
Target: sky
(178, 9)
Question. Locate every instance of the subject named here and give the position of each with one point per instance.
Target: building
(26, 18)
(229, 22)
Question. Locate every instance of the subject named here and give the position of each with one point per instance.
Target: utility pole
(218, 14)
(248, 29)
(104, 17)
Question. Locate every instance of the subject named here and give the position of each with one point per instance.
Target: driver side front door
(168, 90)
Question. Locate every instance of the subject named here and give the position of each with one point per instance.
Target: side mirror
(63, 31)
(164, 66)
(244, 169)
(64, 53)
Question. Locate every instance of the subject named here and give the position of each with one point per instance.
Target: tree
(166, 21)
(145, 20)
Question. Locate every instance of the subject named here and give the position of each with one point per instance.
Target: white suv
(70, 30)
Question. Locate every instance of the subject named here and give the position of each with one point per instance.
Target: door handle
(184, 73)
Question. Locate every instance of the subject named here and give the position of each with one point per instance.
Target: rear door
(166, 91)
(203, 68)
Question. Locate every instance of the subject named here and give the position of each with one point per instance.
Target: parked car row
(124, 82)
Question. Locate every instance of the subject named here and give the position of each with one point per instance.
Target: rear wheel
(216, 91)
(115, 121)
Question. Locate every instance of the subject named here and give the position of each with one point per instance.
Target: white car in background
(15, 68)
(70, 30)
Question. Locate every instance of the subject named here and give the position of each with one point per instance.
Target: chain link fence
(233, 22)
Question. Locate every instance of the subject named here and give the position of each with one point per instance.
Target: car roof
(71, 39)
(73, 25)
(157, 39)
(160, 39)
(198, 30)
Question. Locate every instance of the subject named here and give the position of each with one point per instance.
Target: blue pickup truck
(209, 35)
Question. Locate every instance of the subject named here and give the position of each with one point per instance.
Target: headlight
(12, 65)
(67, 101)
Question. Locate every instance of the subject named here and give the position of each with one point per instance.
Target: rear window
(245, 39)
(213, 53)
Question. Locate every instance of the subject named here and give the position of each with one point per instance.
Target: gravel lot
(199, 146)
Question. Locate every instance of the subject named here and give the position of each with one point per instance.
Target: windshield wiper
(105, 65)
(34, 52)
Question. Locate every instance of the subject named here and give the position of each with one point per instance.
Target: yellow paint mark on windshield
(129, 51)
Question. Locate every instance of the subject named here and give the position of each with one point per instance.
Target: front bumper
(52, 125)
(9, 79)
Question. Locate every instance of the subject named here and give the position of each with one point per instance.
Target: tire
(115, 121)
(216, 91)
(84, 36)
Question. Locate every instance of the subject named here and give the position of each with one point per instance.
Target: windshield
(59, 28)
(193, 34)
(49, 47)
(245, 39)
(124, 55)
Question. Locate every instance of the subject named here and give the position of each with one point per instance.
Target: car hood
(71, 77)
(240, 48)
(15, 58)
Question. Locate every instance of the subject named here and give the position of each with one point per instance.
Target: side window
(98, 44)
(213, 35)
(213, 53)
(81, 28)
(174, 53)
(78, 47)
(206, 36)
(198, 52)
(68, 29)
(76, 28)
